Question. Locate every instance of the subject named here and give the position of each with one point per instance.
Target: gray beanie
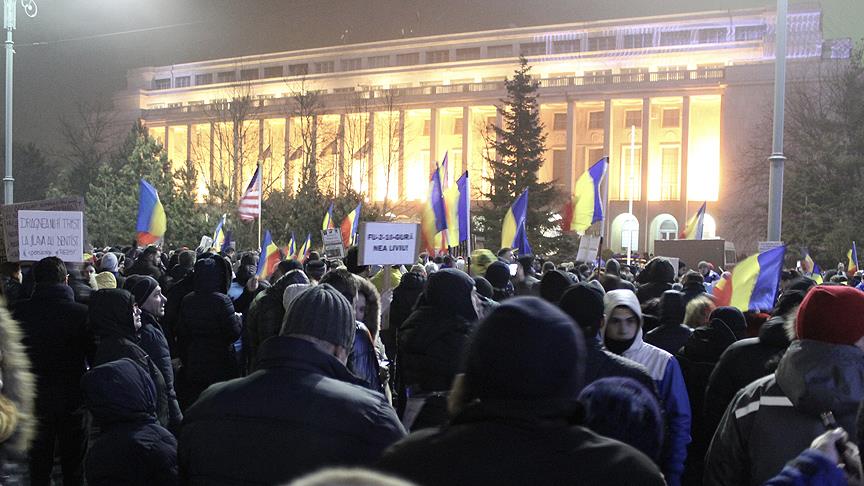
(322, 312)
(291, 292)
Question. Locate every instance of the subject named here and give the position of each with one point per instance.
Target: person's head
(249, 258)
(113, 313)
(545, 357)
(692, 279)
(623, 317)
(352, 257)
(452, 292)
(147, 293)
(732, 318)
(548, 267)
(88, 271)
(119, 391)
(671, 308)
(832, 314)
(526, 266)
(150, 255)
(483, 287)
(349, 477)
(698, 311)
(105, 280)
(553, 284)
(315, 269)
(186, 259)
(284, 267)
(506, 255)
(418, 269)
(623, 409)
(343, 281)
(703, 267)
(109, 262)
(367, 306)
(480, 261)
(292, 292)
(613, 267)
(584, 303)
(323, 316)
(498, 274)
(50, 271)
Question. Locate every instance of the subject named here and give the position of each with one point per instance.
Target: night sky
(84, 47)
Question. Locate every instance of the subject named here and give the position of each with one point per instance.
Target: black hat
(584, 303)
(322, 312)
(553, 284)
(498, 274)
(141, 287)
(315, 269)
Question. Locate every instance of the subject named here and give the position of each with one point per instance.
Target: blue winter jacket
(810, 468)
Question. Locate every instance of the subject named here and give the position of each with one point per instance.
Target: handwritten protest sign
(51, 233)
(388, 243)
(9, 216)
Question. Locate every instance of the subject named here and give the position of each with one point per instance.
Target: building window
(499, 51)
(750, 32)
(712, 36)
(274, 72)
(633, 118)
(202, 79)
(559, 122)
(182, 82)
(375, 62)
(675, 38)
(671, 118)
(670, 176)
(351, 64)
(226, 77)
(597, 77)
(626, 184)
(298, 69)
(638, 41)
(532, 48)
(467, 54)
(164, 83)
(564, 46)
(604, 43)
(248, 74)
(593, 154)
(409, 59)
(595, 120)
(491, 122)
(668, 230)
(633, 75)
(437, 56)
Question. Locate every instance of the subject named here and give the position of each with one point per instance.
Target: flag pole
(260, 203)
(630, 191)
(468, 211)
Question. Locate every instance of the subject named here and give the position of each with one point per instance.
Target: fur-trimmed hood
(372, 319)
(18, 383)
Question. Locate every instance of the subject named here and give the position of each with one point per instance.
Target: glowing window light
(703, 155)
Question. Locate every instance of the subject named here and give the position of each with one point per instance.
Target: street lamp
(777, 159)
(9, 10)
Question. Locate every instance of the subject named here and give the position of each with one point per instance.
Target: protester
(58, 343)
(185, 264)
(692, 285)
(733, 318)
(405, 297)
(613, 274)
(105, 280)
(131, 448)
(498, 274)
(825, 463)
(554, 284)
(709, 276)
(526, 282)
(623, 336)
(430, 346)
(110, 263)
(300, 411)
(149, 299)
(148, 263)
(480, 261)
(206, 331)
(698, 311)
(657, 277)
(670, 333)
(516, 415)
(775, 417)
(10, 284)
(315, 269)
(395, 277)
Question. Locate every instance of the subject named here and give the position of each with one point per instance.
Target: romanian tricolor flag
(817, 274)
(809, 267)
(151, 215)
(303, 252)
(328, 219)
(433, 220)
(514, 222)
(586, 208)
(456, 203)
(852, 255)
(269, 256)
(754, 282)
(291, 249)
(349, 227)
(219, 233)
(693, 231)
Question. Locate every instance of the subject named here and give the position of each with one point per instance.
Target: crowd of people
(187, 367)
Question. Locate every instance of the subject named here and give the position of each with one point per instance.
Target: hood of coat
(707, 343)
(658, 270)
(110, 313)
(372, 318)
(119, 391)
(775, 333)
(819, 377)
(212, 275)
(624, 298)
(450, 291)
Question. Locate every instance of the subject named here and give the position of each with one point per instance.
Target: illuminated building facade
(670, 99)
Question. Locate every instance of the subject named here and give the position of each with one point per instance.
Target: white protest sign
(767, 245)
(51, 233)
(388, 243)
(332, 238)
(588, 247)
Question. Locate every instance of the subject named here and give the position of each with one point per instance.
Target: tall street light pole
(9, 10)
(775, 181)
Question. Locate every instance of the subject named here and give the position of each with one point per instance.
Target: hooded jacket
(264, 319)
(670, 335)
(405, 296)
(657, 277)
(131, 448)
(774, 418)
(111, 321)
(154, 343)
(665, 371)
(300, 411)
(207, 329)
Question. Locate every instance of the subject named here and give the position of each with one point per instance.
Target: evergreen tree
(32, 171)
(516, 157)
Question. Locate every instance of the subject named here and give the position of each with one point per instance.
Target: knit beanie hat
(584, 303)
(141, 286)
(324, 313)
(315, 269)
(553, 284)
(108, 263)
(292, 292)
(106, 280)
(498, 274)
(831, 314)
(526, 349)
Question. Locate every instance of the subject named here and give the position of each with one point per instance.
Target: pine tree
(516, 157)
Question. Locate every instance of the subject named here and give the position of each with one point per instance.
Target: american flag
(250, 203)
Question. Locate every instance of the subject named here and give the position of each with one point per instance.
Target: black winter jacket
(507, 446)
(154, 343)
(207, 329)
(264, 319)
(131, 448)
(774, 418)
(302, 410)
(405, 297)
(668, 337)
(600, 363)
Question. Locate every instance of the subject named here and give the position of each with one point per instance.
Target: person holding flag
(219, 234)
(809, 268)
(513, 232)
(151, 222)
(753, 283)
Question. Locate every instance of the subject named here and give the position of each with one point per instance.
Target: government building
(672, 100)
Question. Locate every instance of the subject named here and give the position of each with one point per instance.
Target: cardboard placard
(9, 216)
(388, 243)
(332, 238)
(44, 234)
(767, 245)
(588, 248)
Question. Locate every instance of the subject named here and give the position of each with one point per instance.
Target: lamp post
(777, 159)
(9, 10)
